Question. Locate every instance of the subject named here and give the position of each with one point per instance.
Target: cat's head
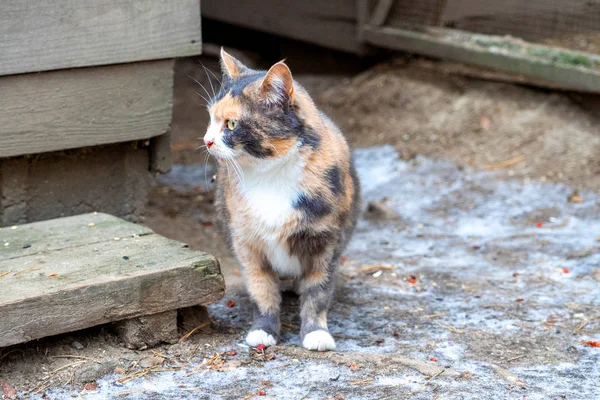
(257, 114)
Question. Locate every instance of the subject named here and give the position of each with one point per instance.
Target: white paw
(259, 336)
(318, 340)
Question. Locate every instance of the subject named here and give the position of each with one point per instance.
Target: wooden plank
(44, 237)
(459, 46)
(381, 12)
(327, 23)
(161, 158)
(95, 281)
(84, 107)
(74, 33)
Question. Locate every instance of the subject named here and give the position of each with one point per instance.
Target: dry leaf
(8, 391)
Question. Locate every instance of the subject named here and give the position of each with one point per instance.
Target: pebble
(77, 346)
(26, 246)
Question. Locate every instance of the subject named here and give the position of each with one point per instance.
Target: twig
(376, 267)
(516, 358)
(76, 357)
(450, 328)
(581, 326)
(434, 315)
(75, 364)
(429, 380)
(187, 335)
(2, 275)
(362, 381)
(32, 268)
(504, 164)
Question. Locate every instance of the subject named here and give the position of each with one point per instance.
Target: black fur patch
(334, 179)
(309, 243)
(313, 207)
(310, 137)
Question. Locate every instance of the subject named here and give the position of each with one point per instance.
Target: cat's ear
(278, 84)
(231, 66)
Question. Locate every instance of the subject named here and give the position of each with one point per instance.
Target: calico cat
(287, 194)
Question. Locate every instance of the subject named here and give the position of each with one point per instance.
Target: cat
(287, 196)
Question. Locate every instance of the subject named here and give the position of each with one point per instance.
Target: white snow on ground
(464, 235)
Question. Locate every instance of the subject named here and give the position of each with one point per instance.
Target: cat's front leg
(263, 287)
(317, 288)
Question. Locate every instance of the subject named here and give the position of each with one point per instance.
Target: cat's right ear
(231, 66)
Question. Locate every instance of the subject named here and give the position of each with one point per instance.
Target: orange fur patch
(227, 108)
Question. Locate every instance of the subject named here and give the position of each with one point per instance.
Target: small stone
(91, 224)
(13, 227)
(381, 211)
(26, 246)
(6, 244)
(152, 361)
(377, 274)
(117, 239)
(125, 258)
(77, 346)
(572, 349)
(91, 386)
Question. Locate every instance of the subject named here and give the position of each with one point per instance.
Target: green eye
(231, 124)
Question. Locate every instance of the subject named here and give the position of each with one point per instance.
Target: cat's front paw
(319, 340)
(259, 336)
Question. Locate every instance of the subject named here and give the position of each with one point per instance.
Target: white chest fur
(269, 192)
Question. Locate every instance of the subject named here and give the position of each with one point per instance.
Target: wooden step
(73, 273)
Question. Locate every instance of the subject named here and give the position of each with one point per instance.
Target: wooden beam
(330, 24)
(74, 33)
(67, 109)
(497, 54)
(381, 12)
(74, 276)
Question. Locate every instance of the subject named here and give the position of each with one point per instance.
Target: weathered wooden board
(74, 33)
(67, 109)
(75, 276)
(327, 23)
(456, 45)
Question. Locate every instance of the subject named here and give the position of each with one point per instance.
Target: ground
(473, 273)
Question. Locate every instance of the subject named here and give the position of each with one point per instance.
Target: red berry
(412, 281)
(539, 224)
(232, 352)
(432, 359)
(262, 393)
(231, 303)
(343, 258)
(260, 347)
(566, 270)
(519, 300)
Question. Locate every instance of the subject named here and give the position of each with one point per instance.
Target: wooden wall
(330, 23)
(67, 106)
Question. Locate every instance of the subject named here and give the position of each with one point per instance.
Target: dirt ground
(473, 274)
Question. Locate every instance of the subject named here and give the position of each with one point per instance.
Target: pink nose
(208, 143)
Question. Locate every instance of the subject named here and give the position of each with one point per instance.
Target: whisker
(202, 86)
(213, 74)
(205, 99)
(209, 81)
(205, 168)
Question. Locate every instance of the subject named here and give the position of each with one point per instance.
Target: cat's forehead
(240, 86)
(235, 95)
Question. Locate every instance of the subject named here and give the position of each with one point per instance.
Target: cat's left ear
(278, 85)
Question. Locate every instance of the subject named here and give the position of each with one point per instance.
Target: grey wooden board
(67, 109)
(75, 276)
(327, 23)
(438, 46)
(74, 33)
